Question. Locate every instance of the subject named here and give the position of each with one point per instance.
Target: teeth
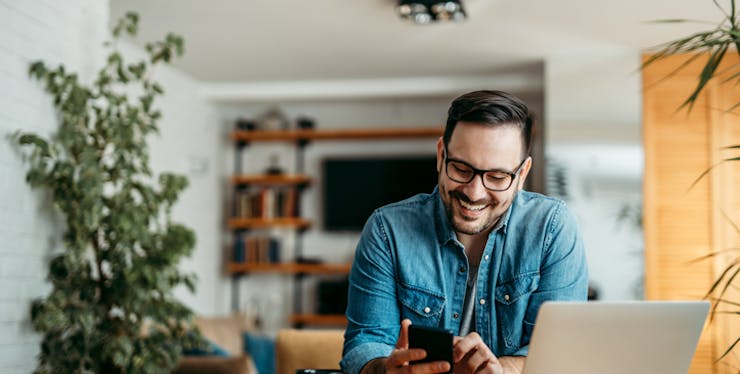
(470, 206)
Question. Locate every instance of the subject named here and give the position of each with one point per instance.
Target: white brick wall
(69, 31)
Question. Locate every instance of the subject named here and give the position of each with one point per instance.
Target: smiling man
(477, 256)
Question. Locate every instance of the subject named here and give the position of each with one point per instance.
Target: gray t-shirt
(467, 322)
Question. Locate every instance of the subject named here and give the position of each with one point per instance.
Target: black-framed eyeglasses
(495, 180)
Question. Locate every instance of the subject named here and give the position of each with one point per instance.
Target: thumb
(403, 335)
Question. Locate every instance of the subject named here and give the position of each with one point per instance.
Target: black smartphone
(435, 341)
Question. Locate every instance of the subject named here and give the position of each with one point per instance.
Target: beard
(466, 225)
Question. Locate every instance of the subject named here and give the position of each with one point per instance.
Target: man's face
(471, 208)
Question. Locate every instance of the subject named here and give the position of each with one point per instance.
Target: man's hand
(401, 359)
(471, 355)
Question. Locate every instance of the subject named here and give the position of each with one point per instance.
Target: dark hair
(492, 108)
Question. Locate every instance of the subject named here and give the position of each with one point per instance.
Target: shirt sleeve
(563, 270)
(373, 313)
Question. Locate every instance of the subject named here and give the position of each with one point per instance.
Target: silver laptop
(650, 337)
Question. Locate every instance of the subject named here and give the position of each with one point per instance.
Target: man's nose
(475, 190)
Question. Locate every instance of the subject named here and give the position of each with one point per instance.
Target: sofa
(293, 349)
(308, 349)
(227, 333)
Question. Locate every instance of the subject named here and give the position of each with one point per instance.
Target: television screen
(355, 187)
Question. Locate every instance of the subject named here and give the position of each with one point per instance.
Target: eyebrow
(484, 170)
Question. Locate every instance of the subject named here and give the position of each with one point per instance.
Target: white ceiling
(243, 41)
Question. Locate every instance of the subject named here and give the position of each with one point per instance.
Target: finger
(403, 335)
(471, 354)
(465, 345)
(479, 359)
(491, 368)
(401, 357)
(427, 367)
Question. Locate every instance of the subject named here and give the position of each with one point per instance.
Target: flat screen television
(354, 187)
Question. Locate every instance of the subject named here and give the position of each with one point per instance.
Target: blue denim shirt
(409, 264)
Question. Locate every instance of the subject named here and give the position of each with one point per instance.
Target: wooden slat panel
(681, 224)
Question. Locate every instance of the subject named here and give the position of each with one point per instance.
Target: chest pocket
(523, 285)
(512, 299)
(420, 305)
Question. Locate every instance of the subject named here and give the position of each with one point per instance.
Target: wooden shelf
(271, 179)
(289, 268)
(319, 319)
(359, 134)
(261, 223)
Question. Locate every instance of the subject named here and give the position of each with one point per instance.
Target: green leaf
(706, 74)
(37, 70)
(41, 144)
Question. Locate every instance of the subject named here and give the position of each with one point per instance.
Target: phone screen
(435, 341)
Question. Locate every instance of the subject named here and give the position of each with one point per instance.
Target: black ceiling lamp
(428, 11)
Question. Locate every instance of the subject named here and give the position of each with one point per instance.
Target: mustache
(466, 199)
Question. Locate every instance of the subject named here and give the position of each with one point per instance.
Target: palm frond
(725, 301)
(682, 20)
(706, 74)
(727, 284)
(728, 350)
(705, 172)
(714, 254)
(729, 220)
(674, 71)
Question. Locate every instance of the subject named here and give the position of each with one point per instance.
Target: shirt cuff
(357, 358)
(523, 351)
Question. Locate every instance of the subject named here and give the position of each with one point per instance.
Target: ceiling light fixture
(428, 11)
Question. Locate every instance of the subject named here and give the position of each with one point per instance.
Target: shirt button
(462, 269)
(482, 301)
(485, 257)
(427, 310)
(455, 315)
(506, 297)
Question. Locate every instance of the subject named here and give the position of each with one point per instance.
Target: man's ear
(524, 172)
(440, 154)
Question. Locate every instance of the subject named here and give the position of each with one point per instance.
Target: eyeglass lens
(492, 180)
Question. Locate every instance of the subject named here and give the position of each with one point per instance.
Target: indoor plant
(713, 45)
(110, 308)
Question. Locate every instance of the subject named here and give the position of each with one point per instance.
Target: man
(477, 256)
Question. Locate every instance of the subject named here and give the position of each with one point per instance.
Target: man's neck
(474, 245)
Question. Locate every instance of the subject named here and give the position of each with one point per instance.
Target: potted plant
(713, 45)
(111, 307)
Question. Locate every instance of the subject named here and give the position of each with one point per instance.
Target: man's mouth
(470, 210)
(471, 207)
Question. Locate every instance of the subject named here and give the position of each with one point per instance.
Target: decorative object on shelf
(428, 11)
(111, 307)
(274, 120)
(245, 124)
(305, 123)
(274, 167)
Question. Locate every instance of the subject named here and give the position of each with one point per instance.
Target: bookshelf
(252, 199)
